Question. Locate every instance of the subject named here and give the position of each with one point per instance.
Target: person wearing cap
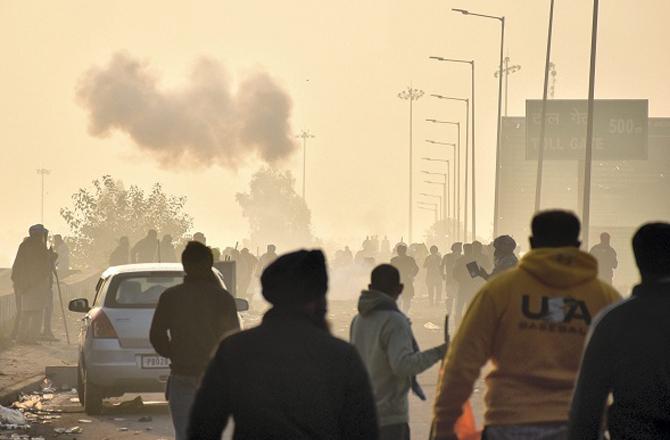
(288, 378)
(189, 322)
(32, 278)
(503, 257)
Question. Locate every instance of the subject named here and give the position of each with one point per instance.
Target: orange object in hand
(466, 427)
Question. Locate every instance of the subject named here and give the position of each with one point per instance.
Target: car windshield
(140, 290)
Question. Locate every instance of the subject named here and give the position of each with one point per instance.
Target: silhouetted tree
(99, 216)
(276, 213)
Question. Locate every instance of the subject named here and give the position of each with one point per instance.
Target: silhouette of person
(448, 264)
(63, 251)
(246, 265)
(627, 354)
(146, 250)
(503, 256)
(121, 254)
(433, 264)
(467, 285)
(287, 378)
(190, 321)
(384, 339)
(200, 238)
(167, 250)
(408, 269)
(532, 321)
(32, 278)
(267, 258)
(607, 258)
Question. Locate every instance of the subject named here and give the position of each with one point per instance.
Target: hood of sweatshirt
(371, 300)
(560, 267)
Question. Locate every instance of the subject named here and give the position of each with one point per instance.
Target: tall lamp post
(445, 144)
(500, 67)
(543, 121)
(42, 172)
(586, 208)
(446, 176)
(410, 95)
(467, 158)
(467, 132)
(457, 171)
(304, 136)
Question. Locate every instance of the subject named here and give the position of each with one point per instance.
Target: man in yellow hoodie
(531, 323)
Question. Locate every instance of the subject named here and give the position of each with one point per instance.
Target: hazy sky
(341, 62)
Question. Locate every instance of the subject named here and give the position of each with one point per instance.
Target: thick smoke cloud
(201, 124)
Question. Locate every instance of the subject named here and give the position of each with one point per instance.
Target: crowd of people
(531, 318)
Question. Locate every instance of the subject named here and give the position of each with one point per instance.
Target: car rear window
(140, 290)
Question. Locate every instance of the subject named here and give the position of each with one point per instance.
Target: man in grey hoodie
(382, 334)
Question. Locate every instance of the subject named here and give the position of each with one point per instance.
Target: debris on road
(145, 419)
(10, 416)
(430, 326)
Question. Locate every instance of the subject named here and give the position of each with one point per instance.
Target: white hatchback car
(115, 355)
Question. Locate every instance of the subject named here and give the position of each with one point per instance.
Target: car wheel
(92, 397)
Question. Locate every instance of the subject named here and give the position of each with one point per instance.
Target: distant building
(624, 193)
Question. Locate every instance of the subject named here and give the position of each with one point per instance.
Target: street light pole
(543, 123)
(467, 146)
(304, 136)
(446, 176)
(410, 95)
(467, 155)
(498, 137)
(457, 174)
(586, 208)
(42, 172)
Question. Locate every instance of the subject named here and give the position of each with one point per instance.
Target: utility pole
(410, 95)
(586, 208)
(543, 120)
(507, 71)
(42, 172)
(304, 136)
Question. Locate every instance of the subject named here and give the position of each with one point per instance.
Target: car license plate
(152, 361)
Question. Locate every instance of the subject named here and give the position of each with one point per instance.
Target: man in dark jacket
(288, 378)
(32, 277)
(190, 320)
(627, 354)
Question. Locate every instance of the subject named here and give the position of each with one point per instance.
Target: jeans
(399, 431)
(543, 431)
(180, 394)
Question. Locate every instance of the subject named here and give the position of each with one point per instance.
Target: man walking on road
(189, 322)
(383, 337)
(531, 322)
(627, 354)
(288, 378)
(408, 269)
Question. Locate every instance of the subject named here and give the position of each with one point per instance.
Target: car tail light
(102, 327)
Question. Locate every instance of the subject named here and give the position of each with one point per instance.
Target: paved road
(122, 422)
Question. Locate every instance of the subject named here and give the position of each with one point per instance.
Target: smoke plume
(201, 124)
